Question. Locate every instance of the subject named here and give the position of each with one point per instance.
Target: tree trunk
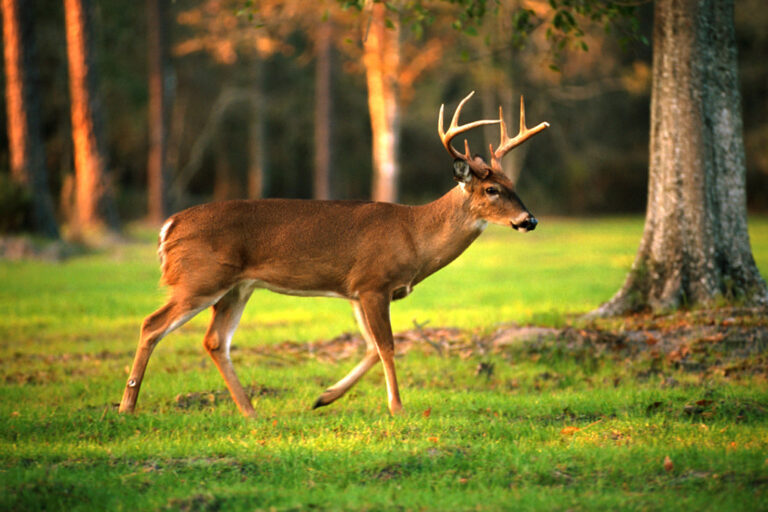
(256, 184)
(157, 112)
(322, 178)
(229, 181)
(27, 154)
(695, 248)
(257, 177)
(381, 58)
(94, 197)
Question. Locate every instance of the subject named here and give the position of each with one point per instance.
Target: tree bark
(381, 58)
(695, 248)
(27, 153)
(322, 177)
(157, 111)
(94, 196)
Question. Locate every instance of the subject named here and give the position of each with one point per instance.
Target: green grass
(68, 332)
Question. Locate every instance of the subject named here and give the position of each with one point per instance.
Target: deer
(215, 255)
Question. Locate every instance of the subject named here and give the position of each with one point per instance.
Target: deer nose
(527, 224)
(530, 223)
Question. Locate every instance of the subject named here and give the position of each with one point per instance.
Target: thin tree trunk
(157, 112)
(381, 57)
(257, 178)
(695, 248)
(256, 187)
(27, 153)
(94, 199)
(228, 182)
(322, 178)
(176, 133)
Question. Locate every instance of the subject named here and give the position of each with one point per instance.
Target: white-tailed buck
(217, 254)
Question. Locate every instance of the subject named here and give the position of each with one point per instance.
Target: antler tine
(454, 129)
(508, 143)
(502, 129)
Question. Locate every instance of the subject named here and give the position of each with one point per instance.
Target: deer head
(490, 192)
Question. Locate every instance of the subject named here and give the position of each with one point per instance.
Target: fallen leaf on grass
(668, 464)
(569, 431)
(678, 354)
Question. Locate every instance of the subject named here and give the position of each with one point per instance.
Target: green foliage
(563, 24)
(552, 426)
(250, 11)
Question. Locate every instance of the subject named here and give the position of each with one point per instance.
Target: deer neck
(445, 228)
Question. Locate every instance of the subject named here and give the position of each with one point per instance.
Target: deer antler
(454, 129)
(507, 144)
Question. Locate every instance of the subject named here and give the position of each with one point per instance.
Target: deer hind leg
(175, 313)
(226, 315)
(371, 357)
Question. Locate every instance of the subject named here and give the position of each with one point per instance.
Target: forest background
(238, 98)
(245, 83)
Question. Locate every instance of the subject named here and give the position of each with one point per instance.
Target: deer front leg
(375, 309)
(371, 357)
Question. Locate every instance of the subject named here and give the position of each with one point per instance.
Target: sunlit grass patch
(537, 425)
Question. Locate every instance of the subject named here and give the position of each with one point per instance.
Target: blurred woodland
(271, 99)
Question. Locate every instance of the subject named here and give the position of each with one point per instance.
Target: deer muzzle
(528, 223)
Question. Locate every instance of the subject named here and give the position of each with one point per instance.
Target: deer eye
(492, 191)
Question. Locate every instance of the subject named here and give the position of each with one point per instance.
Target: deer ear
(461, 171)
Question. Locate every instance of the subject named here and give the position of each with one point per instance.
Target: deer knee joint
(211, 343)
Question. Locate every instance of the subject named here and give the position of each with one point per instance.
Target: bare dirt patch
(722, 341)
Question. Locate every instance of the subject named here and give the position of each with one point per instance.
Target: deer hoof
(320, 402)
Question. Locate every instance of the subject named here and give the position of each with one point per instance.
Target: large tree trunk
(157, 112)
(322, 177)
(95, 205)
(25, 141)
(695, 248)
(381, 57)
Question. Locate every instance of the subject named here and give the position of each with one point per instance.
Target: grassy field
(554, 426)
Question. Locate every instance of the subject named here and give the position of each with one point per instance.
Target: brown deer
(369, 253)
